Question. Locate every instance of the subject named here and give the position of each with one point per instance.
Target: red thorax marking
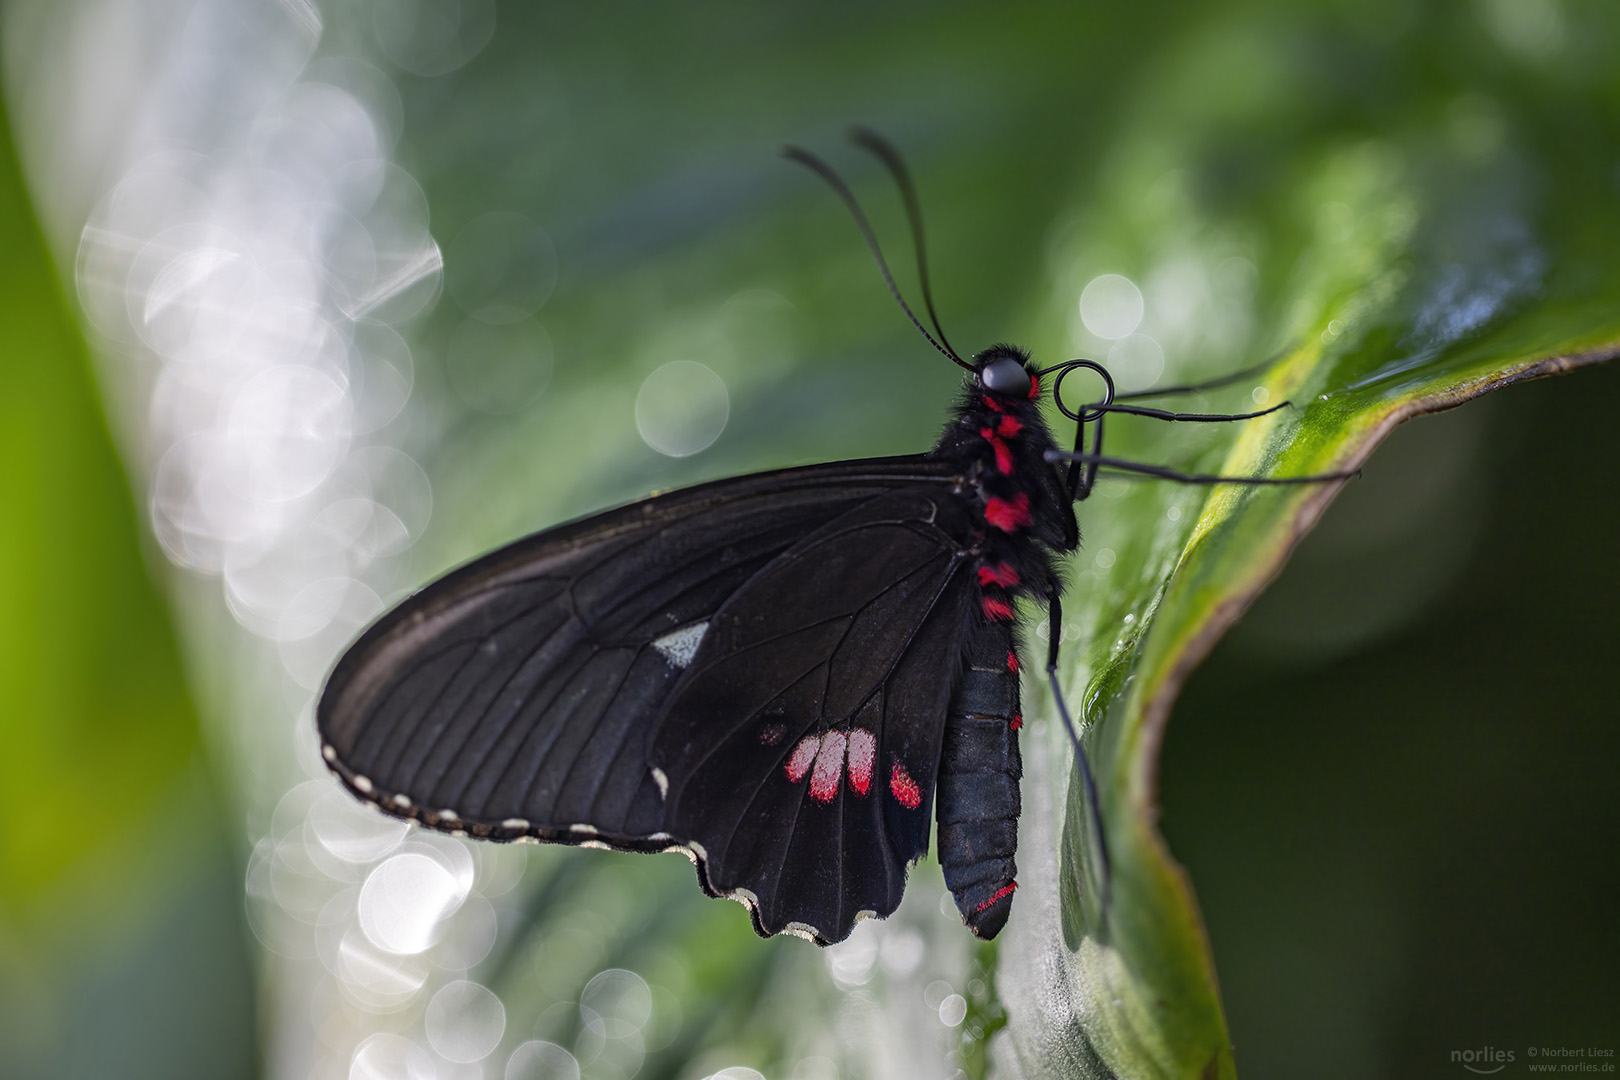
(1034, 386)
(997, 610)
(1016, 722)
(1004, 458)
(1000, 894)
(1008, 515)
(1001, 574)
(1004, 429)
(902, 786)
(1012, 660)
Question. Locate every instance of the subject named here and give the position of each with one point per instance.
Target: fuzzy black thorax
(1000, 441)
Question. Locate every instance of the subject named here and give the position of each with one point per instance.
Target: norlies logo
(1484, 1061)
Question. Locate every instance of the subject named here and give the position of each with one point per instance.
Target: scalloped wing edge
(522, 831)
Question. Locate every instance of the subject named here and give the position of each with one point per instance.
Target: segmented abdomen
(978, 803)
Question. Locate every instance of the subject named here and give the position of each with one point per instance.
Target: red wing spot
(1016, 722)
(1009, 427)
(1007, 515)
(829, 767)
(902, 786)
(799, 762)
(999, 895)
(862, 756)
(997, 610)
(1012, 660)
(1001, 574)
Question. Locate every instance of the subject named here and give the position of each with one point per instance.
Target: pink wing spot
(798, 763)
(862, 756)
(903, 787)
(829, 767)
(771, 734)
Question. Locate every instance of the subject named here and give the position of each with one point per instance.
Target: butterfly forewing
(583, 684)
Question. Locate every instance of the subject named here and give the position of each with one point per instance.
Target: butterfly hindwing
(801, 749)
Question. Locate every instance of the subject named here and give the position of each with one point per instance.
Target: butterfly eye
(1005, 375)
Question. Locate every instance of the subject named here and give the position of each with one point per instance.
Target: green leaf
(1429, 261)
(119, 895)
(93, 706)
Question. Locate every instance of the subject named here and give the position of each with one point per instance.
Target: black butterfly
(783, 676)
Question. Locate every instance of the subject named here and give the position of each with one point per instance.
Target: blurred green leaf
(119, 898)
(95, 719)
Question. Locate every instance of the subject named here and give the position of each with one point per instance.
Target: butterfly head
(1004, 369)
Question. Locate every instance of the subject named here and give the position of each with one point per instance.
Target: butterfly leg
(1094, 818)
(1200, 387)
(1082, 474)
(1093, 460)
(1197, 418)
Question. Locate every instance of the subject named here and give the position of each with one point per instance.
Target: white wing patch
(681, 646)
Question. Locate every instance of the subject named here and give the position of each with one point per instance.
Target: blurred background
(306, 302)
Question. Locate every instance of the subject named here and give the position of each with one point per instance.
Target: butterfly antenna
(834, 181)
(884, 151)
